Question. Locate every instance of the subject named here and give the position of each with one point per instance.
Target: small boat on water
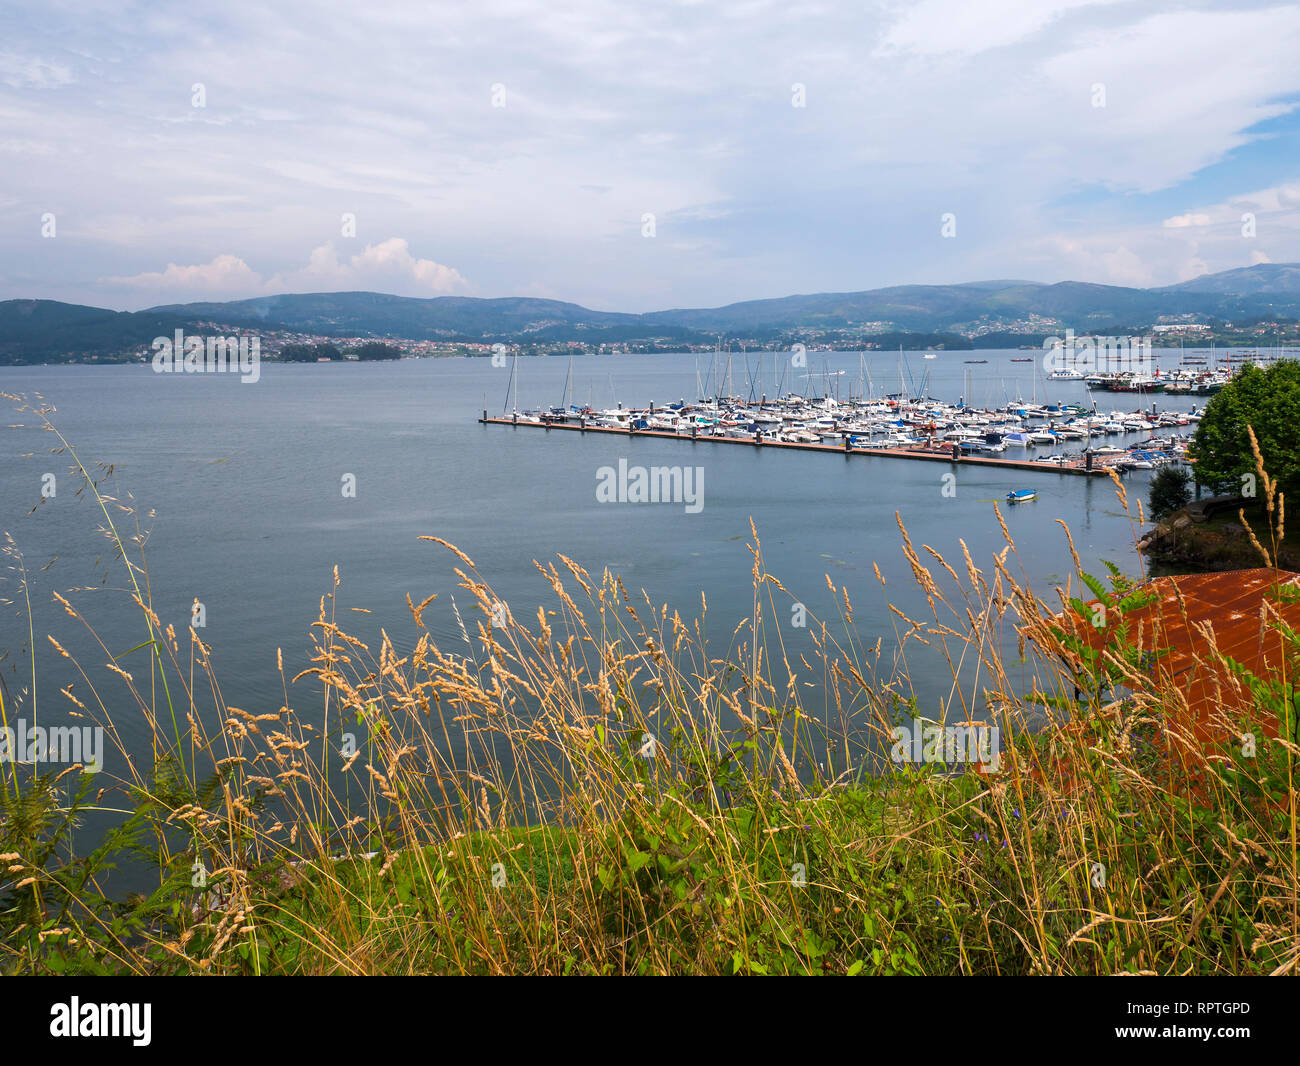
(1021, 495)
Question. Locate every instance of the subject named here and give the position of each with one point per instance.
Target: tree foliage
(308, 353)
(1269, 402)
(378, 350)
(1169, 491)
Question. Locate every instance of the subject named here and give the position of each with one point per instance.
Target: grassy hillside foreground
(609, 787)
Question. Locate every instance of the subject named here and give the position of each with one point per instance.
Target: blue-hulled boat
(1021, 495)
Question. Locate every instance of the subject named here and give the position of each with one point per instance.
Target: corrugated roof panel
(1230, 604)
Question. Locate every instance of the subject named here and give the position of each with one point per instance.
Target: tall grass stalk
(604, 787)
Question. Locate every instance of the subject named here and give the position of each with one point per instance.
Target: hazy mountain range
(46, 330)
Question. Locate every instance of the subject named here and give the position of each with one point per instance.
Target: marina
(1091, 462)
(1075, 440)
(1201, 372)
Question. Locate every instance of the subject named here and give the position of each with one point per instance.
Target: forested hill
(45, 330)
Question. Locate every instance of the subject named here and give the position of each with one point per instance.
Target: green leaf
(1098, 589)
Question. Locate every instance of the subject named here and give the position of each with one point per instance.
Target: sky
(639, 156)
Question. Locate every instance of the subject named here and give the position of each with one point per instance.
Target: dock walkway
(936, 454)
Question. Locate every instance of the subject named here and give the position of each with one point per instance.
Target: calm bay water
(244, 482)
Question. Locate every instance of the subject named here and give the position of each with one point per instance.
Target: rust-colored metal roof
(1195, 613)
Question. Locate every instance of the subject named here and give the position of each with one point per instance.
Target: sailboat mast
(568, 384)
(505, 406)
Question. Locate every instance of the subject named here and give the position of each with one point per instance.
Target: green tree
(378, 350)
(308, 353)
(297, 353)
(1269, 402)
(1169, 491)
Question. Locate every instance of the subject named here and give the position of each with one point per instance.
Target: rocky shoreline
(1186, 540)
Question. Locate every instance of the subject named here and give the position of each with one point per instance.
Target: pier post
(485, 414)
(758, 438)
(956, 451)
(582, 423)
(1087, 460)
(514, 419)
(695, 432)
(847, 446)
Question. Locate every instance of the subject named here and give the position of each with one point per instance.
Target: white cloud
(223, 277)
(1159, 126)
(937, 27)
(1278, 198)
(32, 72)
(1276, 210)
(19, 147)
(1183, 221)
(386, 267)
(1125, 267)
(1203, 240)
(982, 107)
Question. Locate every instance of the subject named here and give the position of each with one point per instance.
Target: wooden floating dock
(943, 454)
